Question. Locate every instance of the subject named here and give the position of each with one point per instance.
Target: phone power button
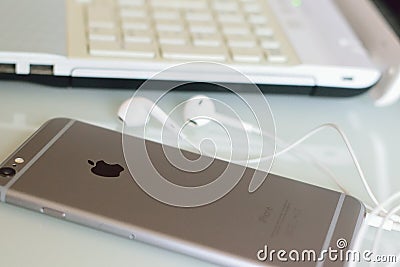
(53, 212)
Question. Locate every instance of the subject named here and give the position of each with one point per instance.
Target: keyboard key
(138, 39)
(133, 13)
(277, 59)
(131, 3)
(209, 42)
(137, 36)
(95, 37)
(140, 50)
(112, 49)
(224, 5)
(166, 14)
(235, 29)
(275, 56)
(99, 2)
(257, 19)
(204, 39)
(246, 55)
(198, 16)
(172, 38)
(270, 44)
(202, 27)
(101, 24)
(231, 17)
(264, 31)
(252, 8)
(135, 25)
(169, 41)
(241, 41)
(193, 53)
(171, 35)
(179, 4)
(169, 27)
(102, 34)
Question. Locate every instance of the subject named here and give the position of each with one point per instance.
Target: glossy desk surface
(31, 239)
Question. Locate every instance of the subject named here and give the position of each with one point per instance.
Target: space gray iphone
(77, 172)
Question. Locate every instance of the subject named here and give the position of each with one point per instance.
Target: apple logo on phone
(104, 169)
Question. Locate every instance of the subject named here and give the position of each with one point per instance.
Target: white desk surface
(31, 239)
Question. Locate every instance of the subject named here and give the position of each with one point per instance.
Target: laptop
(324, 47)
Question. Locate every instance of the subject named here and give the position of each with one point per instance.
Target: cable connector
(380, 222)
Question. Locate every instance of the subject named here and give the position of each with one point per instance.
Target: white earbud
(200, 110)
(136, 111)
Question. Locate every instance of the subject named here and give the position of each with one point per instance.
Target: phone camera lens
(7, 172)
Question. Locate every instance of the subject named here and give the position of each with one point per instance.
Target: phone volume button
(53, 213)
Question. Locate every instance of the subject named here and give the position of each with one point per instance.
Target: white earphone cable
(147, 106)
(299, 155)
(307, 136)
(349, 148)
(387, 220)
(393, 217)
(353, 156)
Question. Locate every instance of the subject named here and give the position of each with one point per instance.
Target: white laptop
(324, 47)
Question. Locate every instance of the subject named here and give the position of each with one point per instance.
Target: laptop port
(42, 69)
(7, 68)
(347, 78)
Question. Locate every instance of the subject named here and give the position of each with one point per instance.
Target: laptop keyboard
(236, 31)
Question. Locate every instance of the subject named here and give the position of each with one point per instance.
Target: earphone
(143, 108)
(195, 111)
(135, 112)
(198, 108)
